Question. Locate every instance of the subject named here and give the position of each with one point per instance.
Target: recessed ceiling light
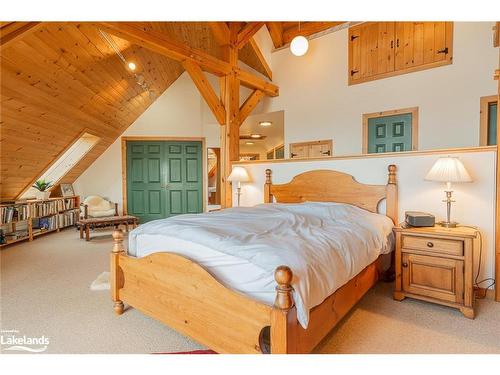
(265, 123)
(255, 136)
(131, 66)
(249, 143)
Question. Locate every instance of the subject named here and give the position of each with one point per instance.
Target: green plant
(42, 185)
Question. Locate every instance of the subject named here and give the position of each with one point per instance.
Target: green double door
(164, 178)
(390, 133)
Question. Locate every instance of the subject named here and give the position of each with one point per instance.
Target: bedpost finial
(283, 276)
(392, 174)
(118, 241)
(268, 176)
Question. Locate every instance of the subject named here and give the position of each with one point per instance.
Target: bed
(210, 297)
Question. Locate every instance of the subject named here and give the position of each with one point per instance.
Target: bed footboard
(184, 296)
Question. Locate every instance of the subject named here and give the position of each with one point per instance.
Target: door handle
(167, 186)
(405, 265)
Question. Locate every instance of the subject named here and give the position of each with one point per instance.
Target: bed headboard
(333, 186)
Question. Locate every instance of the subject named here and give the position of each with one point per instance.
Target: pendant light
(299, 45)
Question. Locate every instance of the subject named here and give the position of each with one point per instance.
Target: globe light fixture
(299, 45)
(131, 66)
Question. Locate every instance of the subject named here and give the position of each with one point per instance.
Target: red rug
(201, 351)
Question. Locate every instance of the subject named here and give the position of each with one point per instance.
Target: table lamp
(448, 170)
(239, 175)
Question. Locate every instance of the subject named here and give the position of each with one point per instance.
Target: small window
(390, 131)
(66, 161)
(488, 125)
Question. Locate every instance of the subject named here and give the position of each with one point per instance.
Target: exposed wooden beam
(249, 104)
(230, 132)
(251, 81)
(220, 30)
(262, 59)
(166, 46)
(276, 32)
(206, 90)
(12, 31)
(306, 29)
(248, 32)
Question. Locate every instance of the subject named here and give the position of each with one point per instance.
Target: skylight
(66, 161)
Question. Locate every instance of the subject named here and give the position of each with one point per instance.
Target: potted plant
(42, 186)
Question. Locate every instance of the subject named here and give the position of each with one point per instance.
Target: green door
(390, 133)
(492, 124)
(163, 179)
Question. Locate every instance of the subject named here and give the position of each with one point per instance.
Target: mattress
(325, 245)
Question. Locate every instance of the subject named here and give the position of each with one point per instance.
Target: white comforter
(325, 245)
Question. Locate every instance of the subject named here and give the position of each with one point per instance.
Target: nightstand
(435, 264)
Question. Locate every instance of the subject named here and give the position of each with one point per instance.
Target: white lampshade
(239, 174)
(299, 45)
(448, 169)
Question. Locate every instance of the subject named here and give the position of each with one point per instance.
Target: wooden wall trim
(497, 206)
(414, 125)
(379, 155)
(484, 102)
(146, 138)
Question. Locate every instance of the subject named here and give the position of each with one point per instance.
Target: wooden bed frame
(184, 296)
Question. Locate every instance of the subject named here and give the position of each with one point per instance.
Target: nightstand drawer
(434, 277)
(432, 244)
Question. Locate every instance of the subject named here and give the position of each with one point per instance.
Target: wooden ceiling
(62, 79)
(282, 33)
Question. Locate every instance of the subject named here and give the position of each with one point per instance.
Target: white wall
(474, 201)
(177, 112)
(319, 104)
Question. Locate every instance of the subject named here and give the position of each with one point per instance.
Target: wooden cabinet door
(299, 151)
(422, 43)
(371, 50)
(320, 150)
(439, 278)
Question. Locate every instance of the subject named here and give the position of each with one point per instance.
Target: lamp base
(448, 224)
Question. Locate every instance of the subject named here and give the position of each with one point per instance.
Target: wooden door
(422, 43)
(390, 133)
(299, 150)
(163, 179)
(183, 172)
(320, 150)
(371, 50)
(433, 277)
(145, 180)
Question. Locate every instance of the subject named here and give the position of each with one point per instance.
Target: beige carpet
(45, 290)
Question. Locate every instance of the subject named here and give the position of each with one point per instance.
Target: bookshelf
(26, 220)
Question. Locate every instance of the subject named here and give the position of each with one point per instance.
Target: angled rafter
(248, 32)
(220, 31)
(262, 59)
(166, 46)
(160, 43)
(249, 104)
(206, 90)
(12, 31)
(306, 29)
(276, 32)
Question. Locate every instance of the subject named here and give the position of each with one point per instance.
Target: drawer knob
(405, 265)
(430, 244)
